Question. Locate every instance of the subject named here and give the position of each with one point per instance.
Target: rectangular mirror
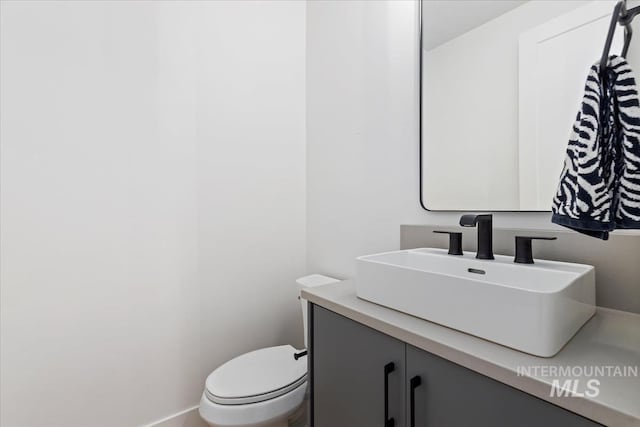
(501, 83)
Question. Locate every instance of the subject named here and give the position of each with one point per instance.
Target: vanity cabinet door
(353, 368)
(450, 395)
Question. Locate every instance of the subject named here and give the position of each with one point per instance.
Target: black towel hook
(623, 17)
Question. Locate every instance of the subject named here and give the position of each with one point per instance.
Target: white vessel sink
(535, 308)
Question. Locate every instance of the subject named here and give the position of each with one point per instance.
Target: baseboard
(187, 418)
(191, 418)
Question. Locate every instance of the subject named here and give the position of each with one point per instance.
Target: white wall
(251, 181)
(152, 201)
(362, 133)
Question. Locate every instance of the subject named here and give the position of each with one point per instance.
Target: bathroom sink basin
(535, 308)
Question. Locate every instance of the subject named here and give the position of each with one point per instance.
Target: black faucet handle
(455, 241)
(524, 252)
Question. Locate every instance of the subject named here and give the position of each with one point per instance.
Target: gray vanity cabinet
(352, 373)
(350, 386)
(453, 396)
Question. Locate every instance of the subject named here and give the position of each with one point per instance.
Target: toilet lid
(257, 376)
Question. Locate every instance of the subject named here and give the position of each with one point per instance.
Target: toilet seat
(257, 376)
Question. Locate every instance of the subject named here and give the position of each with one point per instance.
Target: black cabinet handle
(388, 368)
(413, 385)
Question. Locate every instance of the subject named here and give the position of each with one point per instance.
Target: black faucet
(485, 233)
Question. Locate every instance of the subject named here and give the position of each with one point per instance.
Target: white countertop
(610, 339)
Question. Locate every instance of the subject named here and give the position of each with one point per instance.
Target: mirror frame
(420, 187)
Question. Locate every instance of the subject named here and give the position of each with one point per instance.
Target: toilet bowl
(262, 388)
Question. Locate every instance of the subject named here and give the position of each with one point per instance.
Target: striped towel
(599, 187)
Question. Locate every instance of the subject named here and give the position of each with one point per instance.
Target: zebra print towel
(599, 188)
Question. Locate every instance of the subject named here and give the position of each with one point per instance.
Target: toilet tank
(310, 281)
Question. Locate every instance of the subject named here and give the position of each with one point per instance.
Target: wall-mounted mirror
(502, 82)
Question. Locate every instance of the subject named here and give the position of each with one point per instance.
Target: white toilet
(261, 388)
